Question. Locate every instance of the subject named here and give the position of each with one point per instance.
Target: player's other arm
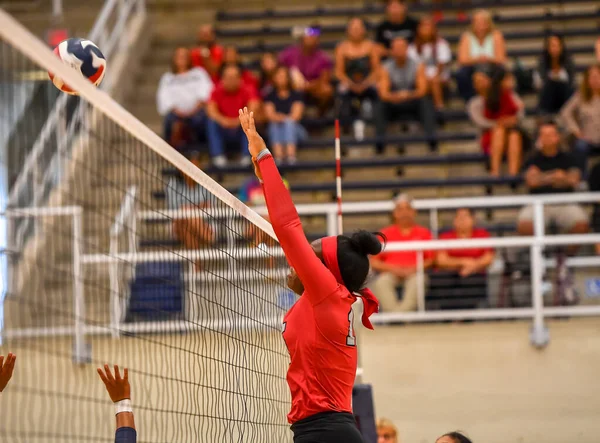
(316, 278)
(7, 367)
(119, 390)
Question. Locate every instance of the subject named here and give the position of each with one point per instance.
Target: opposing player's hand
(6, 369)
(255, 141)
(118, 388)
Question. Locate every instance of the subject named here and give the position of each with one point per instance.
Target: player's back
(322, 346)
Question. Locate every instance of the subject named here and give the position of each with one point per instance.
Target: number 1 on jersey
(351, 338)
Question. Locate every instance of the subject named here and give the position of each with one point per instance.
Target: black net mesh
(129, 262)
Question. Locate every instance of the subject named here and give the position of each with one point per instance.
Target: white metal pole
(434, 222)
(539, 334)
(79, 346)
(57, 8)
(113, 276)
(420, 282)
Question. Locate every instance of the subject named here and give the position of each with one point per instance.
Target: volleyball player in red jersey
(318, 329)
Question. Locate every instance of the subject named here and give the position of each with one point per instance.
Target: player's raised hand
(255, 141)
(6, 369)
(118, 388)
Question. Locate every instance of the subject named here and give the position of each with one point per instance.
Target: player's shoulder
(448, 235)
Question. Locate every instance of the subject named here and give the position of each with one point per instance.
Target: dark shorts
(327, 427)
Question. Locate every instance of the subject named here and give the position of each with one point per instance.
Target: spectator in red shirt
(208, 54)
(400, 267)
(223, 125)
(465, 261)
(231, 56)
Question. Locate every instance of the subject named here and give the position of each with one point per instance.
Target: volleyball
(83, 56)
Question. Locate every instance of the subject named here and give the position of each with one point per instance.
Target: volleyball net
(120, 250)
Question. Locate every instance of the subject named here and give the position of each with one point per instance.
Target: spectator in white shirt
(181, 98)
(434, 52)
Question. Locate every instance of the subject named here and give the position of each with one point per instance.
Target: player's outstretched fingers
(117, 373)
(125, 374)
(109, 375)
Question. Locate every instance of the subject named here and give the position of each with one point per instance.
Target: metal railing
(44, 165)
(124, 226)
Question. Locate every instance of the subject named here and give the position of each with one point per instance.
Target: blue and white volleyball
(84, 57)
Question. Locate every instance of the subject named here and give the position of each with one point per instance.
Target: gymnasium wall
(486, 379)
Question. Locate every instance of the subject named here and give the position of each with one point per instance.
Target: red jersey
(405, 258)
(216, 55)
(229, 103)
(508, 108)
(318, 329)
(467, 253)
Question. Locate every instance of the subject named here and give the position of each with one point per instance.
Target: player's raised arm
(316, 278)
(7, 367)
(119, 391)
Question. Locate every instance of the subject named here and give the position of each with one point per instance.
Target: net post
(81, 353)
(338, 178)
(539, 335)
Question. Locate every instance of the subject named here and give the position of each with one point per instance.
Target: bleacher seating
(457, 168)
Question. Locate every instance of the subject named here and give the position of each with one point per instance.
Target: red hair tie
(370, 302)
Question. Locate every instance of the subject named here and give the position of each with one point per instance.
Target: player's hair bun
(365, 242)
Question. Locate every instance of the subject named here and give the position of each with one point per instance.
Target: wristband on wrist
(123, 406)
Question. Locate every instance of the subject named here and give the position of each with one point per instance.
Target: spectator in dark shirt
(551, 171)
(119, 391)
(356, 68)
(555, 75)
(268, 64)
(397, 24)
(284, 108)
(223, 123)
(465, 261)
(311, 68)
(208, 54)
(231, 56)
(594, 186)
(403, 93)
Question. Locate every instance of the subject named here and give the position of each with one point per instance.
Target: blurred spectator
(231, 56)
(268, 64)
(465, 261)
(311, 68)
(403, 93)
(400, 267)
(386, 431)
(181, 97)
(182, 192)
(453, 437)
(356, 68)
(397, 24)
(551, 171)
(582, 116)
(223, 123)
(438, 14)
(208, 54)
(284, 108)
(594, 186)
(434, 52)
(498, 111)
(119, 391)
(555, 75)
(482, 44)
(252, 194)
